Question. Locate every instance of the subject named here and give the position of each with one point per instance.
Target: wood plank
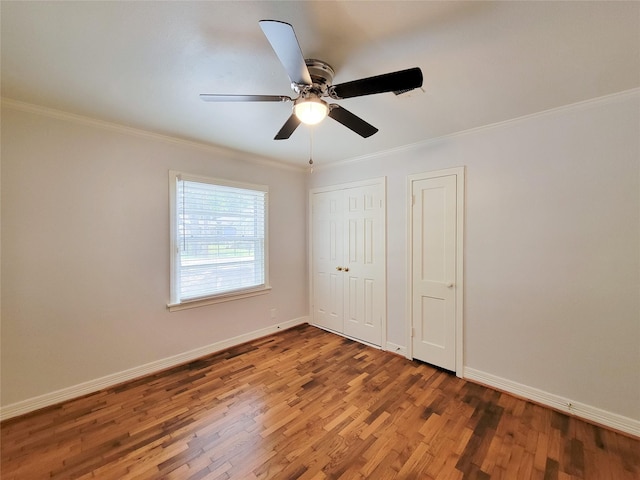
(309, 405)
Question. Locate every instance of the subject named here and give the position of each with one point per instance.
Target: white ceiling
(143, 64)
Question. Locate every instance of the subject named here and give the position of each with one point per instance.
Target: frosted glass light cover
(311, 111)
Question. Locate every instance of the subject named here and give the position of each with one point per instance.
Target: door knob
(450, 285)
(339, 269)
(346, 269)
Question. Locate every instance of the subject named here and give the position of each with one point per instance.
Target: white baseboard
(399, 349)
(75, 391)
(584, 411)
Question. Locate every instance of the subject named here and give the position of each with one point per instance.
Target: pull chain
(310, 149)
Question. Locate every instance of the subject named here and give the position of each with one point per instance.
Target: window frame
(176, 303)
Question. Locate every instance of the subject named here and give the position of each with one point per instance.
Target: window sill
(201, 302)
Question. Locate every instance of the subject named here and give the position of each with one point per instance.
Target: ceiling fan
(311, 80)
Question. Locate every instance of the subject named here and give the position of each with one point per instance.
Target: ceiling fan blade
(288, 128)
(284, 42)
(214, 97)
(351, 121)
(402, 80)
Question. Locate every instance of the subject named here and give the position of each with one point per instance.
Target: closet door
(437, 209)
(326, 263)
(364, 263)
(348, 261)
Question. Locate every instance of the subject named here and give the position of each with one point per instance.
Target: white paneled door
(348, 260)
(436, 274)
(326, 257)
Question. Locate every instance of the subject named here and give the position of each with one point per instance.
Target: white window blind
(219, 238)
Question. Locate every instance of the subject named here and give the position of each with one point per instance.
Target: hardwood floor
(306, 404)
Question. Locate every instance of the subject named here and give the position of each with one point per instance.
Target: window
(218, 240)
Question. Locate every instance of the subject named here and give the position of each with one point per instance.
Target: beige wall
(552, 250)
(85, 253)
(552, 247)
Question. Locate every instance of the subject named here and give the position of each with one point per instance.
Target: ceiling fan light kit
(311, 111)
(312, 79)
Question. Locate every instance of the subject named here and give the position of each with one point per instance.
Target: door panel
(434, 270)
(327, 251)
(432, 330)
(366, 263)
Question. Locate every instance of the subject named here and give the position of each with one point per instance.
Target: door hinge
(413, 199)
(413, 332)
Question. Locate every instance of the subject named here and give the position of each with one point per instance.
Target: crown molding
(505, 123)
(269, 162)
(137, 132)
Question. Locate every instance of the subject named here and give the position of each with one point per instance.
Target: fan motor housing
(321, 72)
